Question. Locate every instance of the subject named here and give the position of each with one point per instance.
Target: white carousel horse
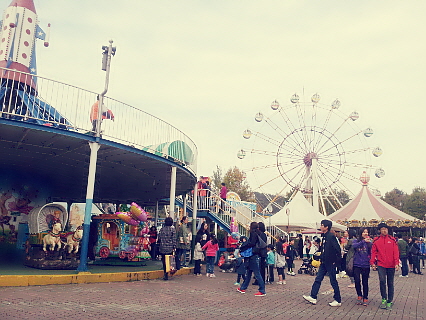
(73, 240)
(53, 237)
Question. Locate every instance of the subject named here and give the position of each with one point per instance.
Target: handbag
(170, 260)
(260, 244)
(221, 261)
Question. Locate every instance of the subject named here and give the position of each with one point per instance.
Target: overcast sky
(207, 67)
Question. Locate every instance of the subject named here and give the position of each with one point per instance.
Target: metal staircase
(221, 212)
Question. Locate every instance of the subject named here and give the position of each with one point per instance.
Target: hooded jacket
(385, 252)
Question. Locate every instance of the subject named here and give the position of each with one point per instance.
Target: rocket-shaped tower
(19, 31)
(19, 98)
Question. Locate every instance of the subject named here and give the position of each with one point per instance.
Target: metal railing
(243, 215)
(34, 99)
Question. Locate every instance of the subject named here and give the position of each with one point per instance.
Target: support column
(156, 215)
(172, 192)
(194, 219)
(94, 147)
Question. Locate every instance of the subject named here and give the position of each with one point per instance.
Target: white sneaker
(293, 274)
(223, 270)
(279, 282)
(212, 275)
(310, 299)
(335, 304)
(289, 273)
(284, 282)
(342, 273)
(207, 275)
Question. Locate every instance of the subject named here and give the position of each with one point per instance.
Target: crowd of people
(354, 255)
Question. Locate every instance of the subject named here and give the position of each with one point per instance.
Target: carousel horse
(73, 239)
(53, 238)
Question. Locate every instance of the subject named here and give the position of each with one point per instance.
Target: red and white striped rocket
(19, 30)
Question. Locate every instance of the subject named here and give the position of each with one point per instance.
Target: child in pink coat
(211, 248)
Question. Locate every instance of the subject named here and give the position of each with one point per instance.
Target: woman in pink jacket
(211, 248)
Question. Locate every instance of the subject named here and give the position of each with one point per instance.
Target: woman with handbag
(167, 242)
(361, 265)
(257, 243)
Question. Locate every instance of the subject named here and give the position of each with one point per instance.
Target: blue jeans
(253, 266)
(404, 266)
(386, 276)
(331, 270)
(179, 253)
(210, 264)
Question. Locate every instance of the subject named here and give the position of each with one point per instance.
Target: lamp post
(287, 212)
(108, 52)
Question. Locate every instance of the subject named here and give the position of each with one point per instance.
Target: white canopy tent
(301, 215)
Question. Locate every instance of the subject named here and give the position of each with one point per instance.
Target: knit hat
(382, 225)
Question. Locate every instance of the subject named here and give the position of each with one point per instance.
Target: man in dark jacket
(403, 255)
(330, 258)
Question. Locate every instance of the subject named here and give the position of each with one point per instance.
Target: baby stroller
(307, 267)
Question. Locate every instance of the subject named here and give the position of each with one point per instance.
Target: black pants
(386, 276)
(365, 274)
(290, 265)
(197, 267)
(239, 276)
(271, 273)
(416, 264)
(153, 251)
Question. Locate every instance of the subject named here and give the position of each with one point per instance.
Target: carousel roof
(302, 215)
(368, 207)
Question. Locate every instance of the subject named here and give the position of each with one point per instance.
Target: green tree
(396, 198)
(415, 203)
(235, 181)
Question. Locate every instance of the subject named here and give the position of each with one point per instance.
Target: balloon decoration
(134, 216)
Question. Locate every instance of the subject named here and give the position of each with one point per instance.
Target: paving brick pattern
(190, 297)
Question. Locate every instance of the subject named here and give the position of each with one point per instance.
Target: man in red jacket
(385, 258)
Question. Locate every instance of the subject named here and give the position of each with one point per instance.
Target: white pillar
(172, 192)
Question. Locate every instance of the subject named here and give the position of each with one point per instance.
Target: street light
(108, 52)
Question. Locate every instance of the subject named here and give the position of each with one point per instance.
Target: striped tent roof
(368, 207)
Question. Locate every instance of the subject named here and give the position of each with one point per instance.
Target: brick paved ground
(190, 297)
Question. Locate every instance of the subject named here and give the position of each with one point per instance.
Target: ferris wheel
(308, 146)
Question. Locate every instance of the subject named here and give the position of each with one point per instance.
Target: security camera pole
(108, 52)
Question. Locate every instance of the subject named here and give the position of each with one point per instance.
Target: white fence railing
(25, 97)
(243, 215)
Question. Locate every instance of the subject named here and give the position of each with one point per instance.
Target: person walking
(183, 243)
(300, 246)
(348, 255)
(198, 257)
(270, 262)
(290, 256)
(153, 242)
(280, 260)
(362, 254)
(211, 248)
(403, 255)
(330, 257)
(415, 252)
(422, 252)
(253, 262)
(222, 194)
(385, 258)
(410, 255)
(167, 242)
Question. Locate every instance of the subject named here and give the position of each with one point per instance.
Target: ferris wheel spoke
(334, 133)
(301, 177)
(344, 174)
(267, 166)
(341, 142)
(262, 152)
(291, 127)
(281, 175)
(343, 153)
(294, 150)
(351, 164)
(266, 138)
(323, 129)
